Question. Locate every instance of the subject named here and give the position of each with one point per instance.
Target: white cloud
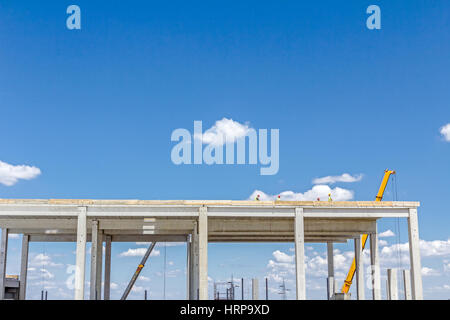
(429, 272)
(445, 131)
(138, 252)
(435, 248)
(318, 191)
(137, 289)
(10, 174)
(382, 243)
(114, 286)
(41, 260)
(386, 234)
(446, 265)
(225, 130)
(13, 236)
(144, 278)
(345, 177)
(282, 257)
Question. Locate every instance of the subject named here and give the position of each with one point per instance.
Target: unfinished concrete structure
(197, 223)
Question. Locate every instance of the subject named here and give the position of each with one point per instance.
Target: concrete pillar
(414, 255)
(392, 284)
(330, 280)
(299, 238)
(194, 264)
(96, 261)
(375, 267)
(255, 289)
(387, 291)
(3, 256)
(24, 266)
(80, 254)
(107, 281)
(359, 272)
(99, 263)
(407, 284)
(336, 287)
(188, 268)
(203, 253)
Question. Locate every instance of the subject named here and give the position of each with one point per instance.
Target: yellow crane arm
(379, 197)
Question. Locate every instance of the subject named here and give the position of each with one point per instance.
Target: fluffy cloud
(282, 257)
(435, 248)
(138, 252)
(342, 178)
(445, 131)
(40, 274)
(222, 131)
(10, 174)
(41, 260)
(429, 272)
(386, 234)
(318, 191)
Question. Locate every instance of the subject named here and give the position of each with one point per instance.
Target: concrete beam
(203, 253)
(414, 255)
(300, 254)
(115, 238)
(3, 256)
(24, 267)
(80, 254)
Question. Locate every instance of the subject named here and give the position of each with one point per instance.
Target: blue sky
(94, 110)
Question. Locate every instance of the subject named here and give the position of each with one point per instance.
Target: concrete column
(96, 261)
(299, 238)
(407, 284)
(188, 268)
(194, 264)
(375, 267)
(387, 291)
(81, 254)
(99, 263)
(3, 256)
(392, 284)
(330, 280)
(255, 289)
(414, 255)
(359, 272)
(336, 287)
(24, 267)
(107, 284)
(203, 253)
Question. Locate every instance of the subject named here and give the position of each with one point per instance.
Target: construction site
(201, 222)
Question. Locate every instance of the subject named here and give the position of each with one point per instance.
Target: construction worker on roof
(329, 197)
(278, 198)
(257, 197)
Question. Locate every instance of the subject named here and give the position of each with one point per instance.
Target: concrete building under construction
(200, 222)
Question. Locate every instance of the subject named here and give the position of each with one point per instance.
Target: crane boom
(379, 197)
